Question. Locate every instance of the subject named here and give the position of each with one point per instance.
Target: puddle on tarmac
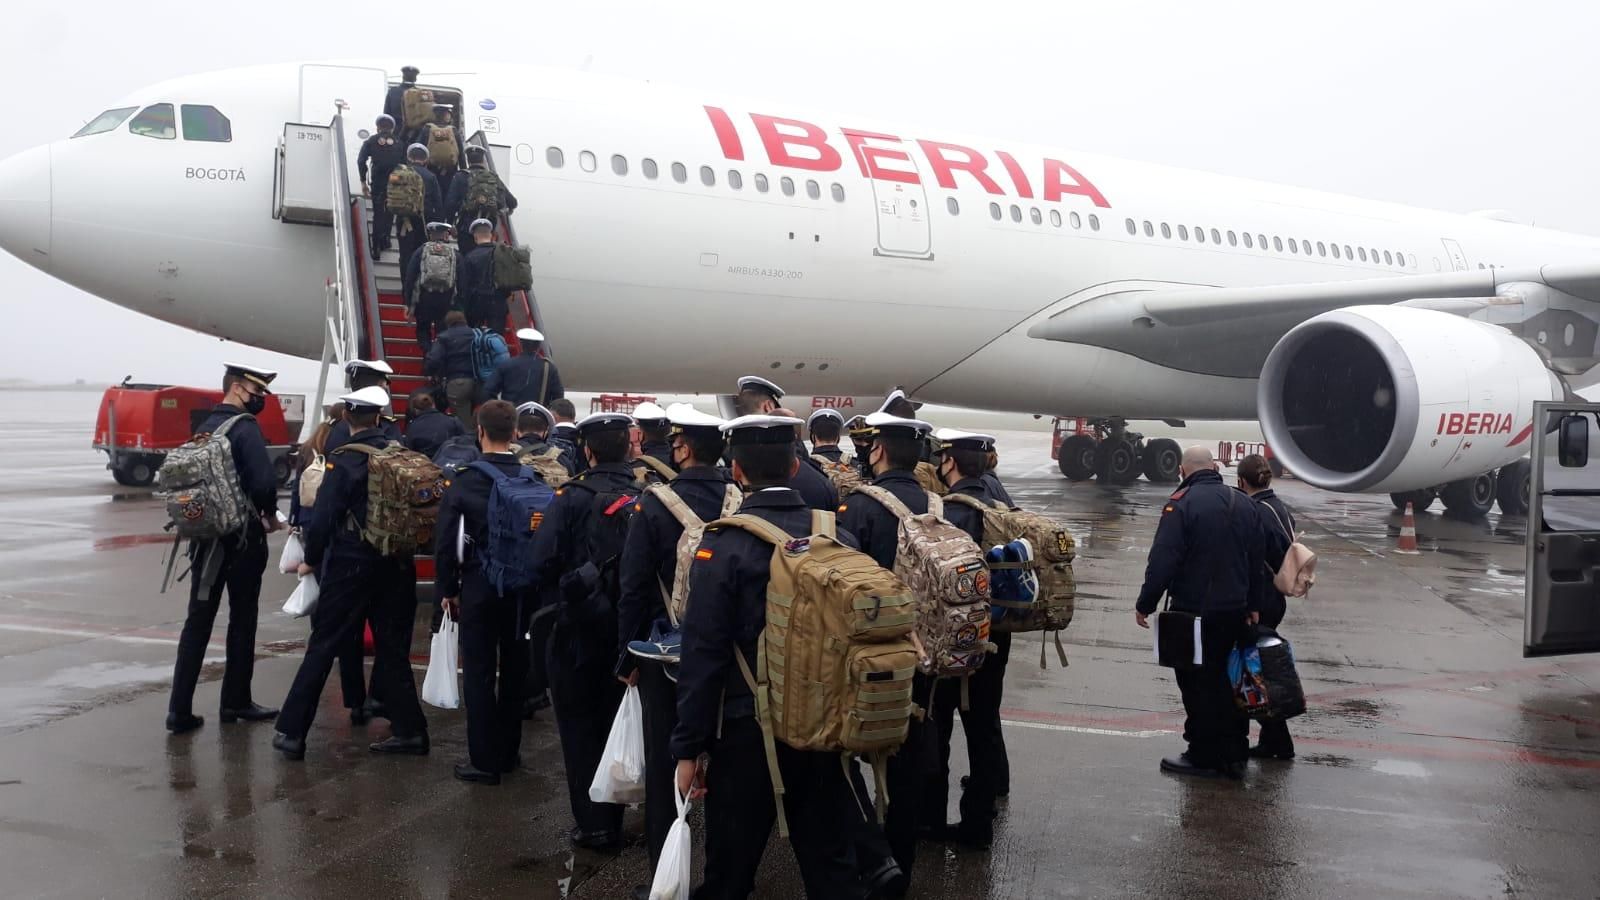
(1401, 767)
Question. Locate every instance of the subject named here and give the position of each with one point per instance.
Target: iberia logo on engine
(1475, 423)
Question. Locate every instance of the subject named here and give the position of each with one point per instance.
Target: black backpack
(592, 590)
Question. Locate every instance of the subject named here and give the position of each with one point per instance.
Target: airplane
(681, 237)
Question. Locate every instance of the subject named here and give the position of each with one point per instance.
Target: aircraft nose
(25, 206)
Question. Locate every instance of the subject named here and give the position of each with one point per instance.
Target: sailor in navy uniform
(825, 427)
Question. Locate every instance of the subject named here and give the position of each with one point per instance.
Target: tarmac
(1435, 761)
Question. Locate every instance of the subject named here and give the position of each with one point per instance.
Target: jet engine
(1394, 399)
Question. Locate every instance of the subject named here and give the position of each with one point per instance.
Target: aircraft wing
(1229, 331)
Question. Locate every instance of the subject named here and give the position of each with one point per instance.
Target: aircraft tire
(1512, 488)
(1469, 498)
(1077, 457)
(1420, 500)
(1160, 461)
(1117, 462)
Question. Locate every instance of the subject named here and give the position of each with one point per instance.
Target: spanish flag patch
(702, 554)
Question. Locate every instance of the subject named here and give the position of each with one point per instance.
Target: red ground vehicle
(139, 423)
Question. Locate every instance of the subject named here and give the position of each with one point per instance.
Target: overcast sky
(1453, 105)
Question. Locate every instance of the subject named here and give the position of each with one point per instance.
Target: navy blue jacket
(565, 436)
(466, 498)
(814, 487)
(342, 499)
(1208, 550)
(996, 489)
(381, 157)
(412, 274)
(428, 432)
(475, 275)
(458, 193)
(650, 557)
(517, 380)
(432, 201)
(1276, 536)
(831, 454)
(728, 607)
(561, 544)
(394, 104)
(250, 460)
(339, 434)
(661, 450)
(451, 354)
(875, 527)
(965, 517)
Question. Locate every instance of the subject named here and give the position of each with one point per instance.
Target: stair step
(388, 313)
(403, 366)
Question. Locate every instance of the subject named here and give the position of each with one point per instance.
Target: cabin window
(554, 158)
(1293, 247)
(1248, 244)
(1216, 236)
(761, 182)
(735, 180)
(786, 184)
(813, 190)
(1016, 213)
(1132, 226)
(1362, 252)
(680, 173)
(1075, 219)
(951, 205)
(1183, 232)
(106, 121)
(1055, 217)
(586, 161)
(649, 168)
(837, 191)
(1149, 231)
(1321, 250)
(1347, 252)
(1261, 239)
(1232, 241)
(205, 123)
(619, 164)
(708, 177)
(155, 121)
(994, 212)
(1094, 222)
(1335, 251)
(1200, 234)
(1035, 216)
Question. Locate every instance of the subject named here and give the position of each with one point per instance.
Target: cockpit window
(204, 123)
(156, 121)
(106, 121)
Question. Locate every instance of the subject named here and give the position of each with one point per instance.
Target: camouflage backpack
(676, 596)
(545, 460)
(945, 570)
(1053, 550)
(928, 478)
(403, 493)
(405, 194)
(482, 199)
(416, 106)
(201, 487)
(442, 150)
(438, 267)
(845, 476)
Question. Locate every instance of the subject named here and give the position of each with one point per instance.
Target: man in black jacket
(234, 562)
(1277, 533)
(428, 303)
(493, 625)
(411, 228)
(896, 449)
(960, 461)
(450, 360)
(464, 208)
(650, 570)
(357, 582)
(358, 374)
(475, 290)
(716, 711)
(429, 427)
(590, 514)
(382, 152)
(826, 427)
(1207, 559)
(813, 486)
(526, 377)
(861, 435)
(394, 103)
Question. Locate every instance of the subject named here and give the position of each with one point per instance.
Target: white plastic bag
(304, 598)
(620, 775)
(439, 687)
(294, 553)
(675, 870)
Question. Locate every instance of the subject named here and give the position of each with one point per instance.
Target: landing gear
(1160, 461)
(1513, 486)
(1116, 461)
(1419, 500)
(1076, 457)
(135, 471)
(1470, 498)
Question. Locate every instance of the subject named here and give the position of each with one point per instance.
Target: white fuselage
(651, 283)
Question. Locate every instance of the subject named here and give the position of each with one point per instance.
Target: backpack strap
(1287, 533)
(657, 466)
(886, 500)
(222, 429)
(674, 504)
(935, 505)
(757, 526)
(494, 474)
(732, 497)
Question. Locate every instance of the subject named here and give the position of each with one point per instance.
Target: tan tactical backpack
(416, 106)
(1053, 552)
(928, 477)
(442, 150)
(945, 570)
(845, 477)
(835, 661)
(403, 493)
(676, 596)
(547, 463)
(405, 193)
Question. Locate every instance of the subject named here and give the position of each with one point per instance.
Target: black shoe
(359, 715)
(182, 723)
(1234, 771)
(416, 745)
(598, 840)
(290, 747)
(1183, 765)
(375, 709)
(973, 837)
(885, 881)
(1263, 752)
(255, 712)
(515, 764)
(469, 772)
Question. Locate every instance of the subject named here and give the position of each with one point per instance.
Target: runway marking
(1080, 729)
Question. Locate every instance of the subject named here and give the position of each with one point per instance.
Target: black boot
(416, 745)
(255, 712)
(290, 747)
(468, 772)
(181, 723)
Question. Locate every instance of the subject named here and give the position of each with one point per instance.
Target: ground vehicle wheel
(1116, 461)
(1420, 500)
(1076, 457)
(135, 471)
(1470, 498)
(1512, 488)
(282, 470)
(1160, 461)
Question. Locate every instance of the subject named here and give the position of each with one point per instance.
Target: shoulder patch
(328, 466)
(702, 554)
(843, 507)
(1168, 508)
(1179, 494)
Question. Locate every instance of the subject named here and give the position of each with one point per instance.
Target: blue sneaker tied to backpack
(1011, 583)
(664, 646)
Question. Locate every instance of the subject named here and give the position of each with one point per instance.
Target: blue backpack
(516, 507)
(456, 453)
(488, 350)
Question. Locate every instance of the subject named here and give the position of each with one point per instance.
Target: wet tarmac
(1434, 760)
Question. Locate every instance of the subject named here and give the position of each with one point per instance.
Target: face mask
(255, 404)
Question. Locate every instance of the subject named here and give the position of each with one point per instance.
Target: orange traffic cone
(1408, 533)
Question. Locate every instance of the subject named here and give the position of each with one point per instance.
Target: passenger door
(1563, 570)
(356, 91)
(1458, 260)
(904, 225)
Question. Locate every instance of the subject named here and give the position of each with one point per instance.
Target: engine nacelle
(1389, 399)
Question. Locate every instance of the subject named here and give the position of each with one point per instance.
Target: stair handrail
(353, 252)
(530, 303)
